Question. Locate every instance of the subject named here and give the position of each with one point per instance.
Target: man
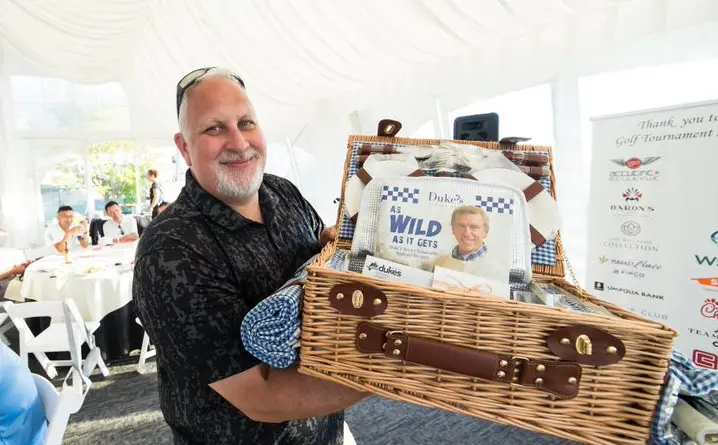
(63, 236)
(470, 226)
(232, 237)
(156, 192)
(119, 228)
(22, 419)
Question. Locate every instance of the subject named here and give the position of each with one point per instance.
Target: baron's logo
(708, 260)
(632, 194)
(707, 283)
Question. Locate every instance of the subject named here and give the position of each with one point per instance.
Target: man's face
(224, 146)
(64, 219)
(469, 231)
(115, 212)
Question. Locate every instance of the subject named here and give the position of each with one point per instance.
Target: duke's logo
(446, 198)
(632, 194)
(598, 285)
(705, 359)
(710, 308)
(386, 269)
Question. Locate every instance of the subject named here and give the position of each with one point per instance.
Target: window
(49, 104)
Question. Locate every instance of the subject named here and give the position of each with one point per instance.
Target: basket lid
(547, 259)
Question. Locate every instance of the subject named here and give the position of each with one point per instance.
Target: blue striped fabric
(686, 379)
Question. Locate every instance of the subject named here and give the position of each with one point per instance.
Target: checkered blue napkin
(545, 254)
(684, 378)
(270, 330)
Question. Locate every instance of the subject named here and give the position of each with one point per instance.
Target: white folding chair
(59, 406)
(5, 325)
(66, 320)
(145, 351)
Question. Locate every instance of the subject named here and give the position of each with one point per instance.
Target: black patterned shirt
(199, 268)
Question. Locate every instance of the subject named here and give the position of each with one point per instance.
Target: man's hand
(328, 235)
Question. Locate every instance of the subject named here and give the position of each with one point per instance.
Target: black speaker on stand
(478, 127)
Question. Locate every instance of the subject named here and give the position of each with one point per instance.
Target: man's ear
(181, 144)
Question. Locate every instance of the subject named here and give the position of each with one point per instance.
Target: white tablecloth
(99, 280)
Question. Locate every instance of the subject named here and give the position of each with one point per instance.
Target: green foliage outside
(113, 172)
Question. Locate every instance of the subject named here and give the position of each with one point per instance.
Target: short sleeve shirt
(199, 268)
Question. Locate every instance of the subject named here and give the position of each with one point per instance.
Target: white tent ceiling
(318, 70)
(302, 58)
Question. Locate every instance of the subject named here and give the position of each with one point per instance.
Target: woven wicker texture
(615, 404)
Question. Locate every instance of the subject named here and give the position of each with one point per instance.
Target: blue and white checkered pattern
(270, 330)
(686, 379)
(400, 194)
(495, 205)
(545, 255)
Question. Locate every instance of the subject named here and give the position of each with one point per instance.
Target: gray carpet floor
(124, 409)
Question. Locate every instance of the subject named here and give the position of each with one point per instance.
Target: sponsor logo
(707, 283)
(631, 228)
(630, 244)
(446, 198)
(630, 268)
(385, 269)
(633, 170)
(602, 259)
(712, 336)
(632, 194)
(600, 286)
(707, 260)
(631, 210)
(709, 309)
(705, 359)
(649, 313)
(633, 292)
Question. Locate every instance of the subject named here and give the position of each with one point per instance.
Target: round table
(99, 281)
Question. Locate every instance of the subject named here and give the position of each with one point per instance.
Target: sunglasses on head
(190, 78)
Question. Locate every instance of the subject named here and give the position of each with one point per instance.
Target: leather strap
(534, 189)
(367, 149)
(388, 128)
(560, 378)
(364, 176)
(536, 238)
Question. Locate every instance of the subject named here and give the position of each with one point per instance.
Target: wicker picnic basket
(588, 378)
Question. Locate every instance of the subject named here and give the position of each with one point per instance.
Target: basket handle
(560, 378)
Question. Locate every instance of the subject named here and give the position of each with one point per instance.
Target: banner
(653, 220)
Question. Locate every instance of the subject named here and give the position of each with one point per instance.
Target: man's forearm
(286, 395)
(129, 237)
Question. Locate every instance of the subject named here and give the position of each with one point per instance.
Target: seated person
(470, 226)
(6, 276)
(22, 419)
(119, 228)
(63, 237)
